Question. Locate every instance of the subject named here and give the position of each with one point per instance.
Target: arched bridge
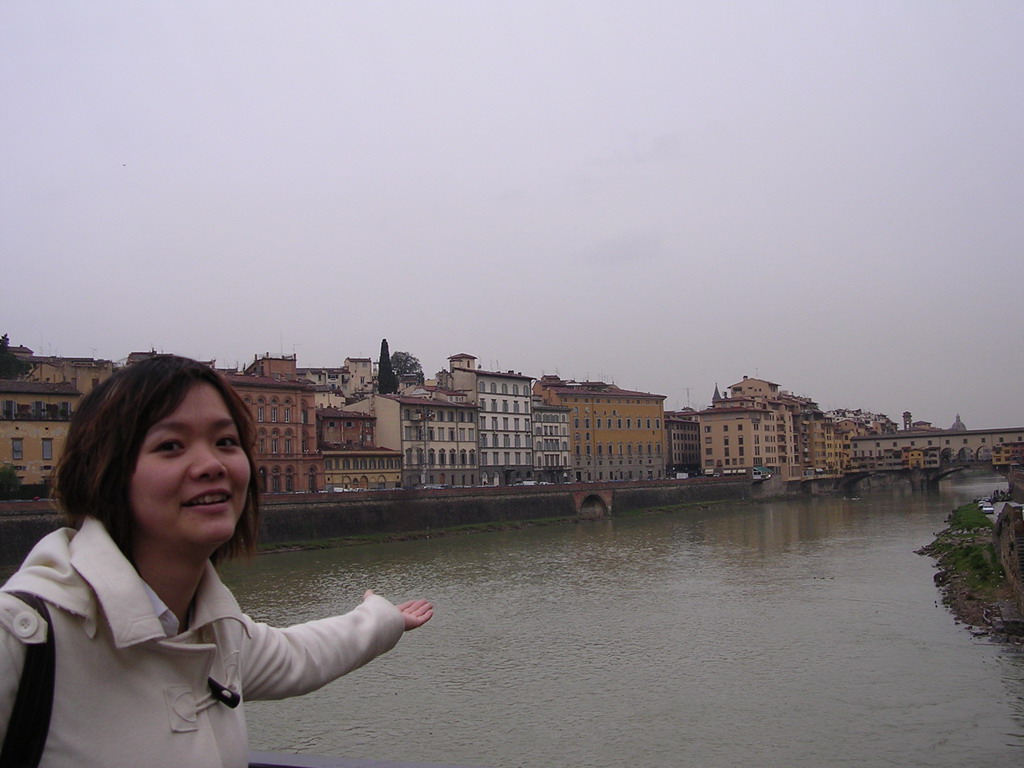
(919, 476)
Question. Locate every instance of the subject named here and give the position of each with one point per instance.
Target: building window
(47, 448)
(17, 448)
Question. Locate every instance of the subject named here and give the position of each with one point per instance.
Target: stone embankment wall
(22, 524)
(1009, 538)
(338, 515)
(1015, 478)
(1009, 543)
(291, 518)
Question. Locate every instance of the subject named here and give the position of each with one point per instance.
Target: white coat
(125, 694)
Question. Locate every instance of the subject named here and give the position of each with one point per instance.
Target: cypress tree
(387, 382)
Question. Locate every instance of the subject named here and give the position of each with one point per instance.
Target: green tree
(404, 364)
(387, 381)
(9, 482)
(11, 367)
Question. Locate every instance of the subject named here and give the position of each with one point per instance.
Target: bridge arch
(593, 504)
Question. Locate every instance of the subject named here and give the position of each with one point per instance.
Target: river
(797, 633)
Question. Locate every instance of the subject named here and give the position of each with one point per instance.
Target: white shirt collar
(167, 618)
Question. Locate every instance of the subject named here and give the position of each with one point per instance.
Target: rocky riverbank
(971, 578)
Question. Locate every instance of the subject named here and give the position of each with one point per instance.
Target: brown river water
(797, 633)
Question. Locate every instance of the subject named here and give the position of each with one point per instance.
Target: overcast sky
(666, 195)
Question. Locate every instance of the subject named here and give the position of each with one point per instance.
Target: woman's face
(190, 481)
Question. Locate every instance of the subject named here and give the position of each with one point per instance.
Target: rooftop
(19, 387)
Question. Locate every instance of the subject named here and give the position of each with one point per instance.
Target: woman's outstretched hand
(415, 613)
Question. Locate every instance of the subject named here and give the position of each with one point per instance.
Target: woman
(154, 658)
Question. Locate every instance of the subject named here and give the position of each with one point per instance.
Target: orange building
(615, 434)
(284, 413)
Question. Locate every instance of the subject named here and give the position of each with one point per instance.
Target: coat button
(26, 624)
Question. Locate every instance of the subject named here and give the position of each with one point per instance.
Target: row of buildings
(327, 429)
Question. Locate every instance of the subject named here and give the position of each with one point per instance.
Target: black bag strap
(30, 719)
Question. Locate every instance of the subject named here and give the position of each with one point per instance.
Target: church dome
(958, 426)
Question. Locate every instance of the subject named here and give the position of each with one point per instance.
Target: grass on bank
(681, 507)
(965, 549)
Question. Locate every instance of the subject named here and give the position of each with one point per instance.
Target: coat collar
(85, 573)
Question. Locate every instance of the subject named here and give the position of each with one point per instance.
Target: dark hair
(94, 475)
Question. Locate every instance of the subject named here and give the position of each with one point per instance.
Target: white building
(504, 402)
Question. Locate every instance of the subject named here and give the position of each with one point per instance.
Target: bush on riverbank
(965, 549)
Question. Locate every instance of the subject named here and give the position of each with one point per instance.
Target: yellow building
(821, 442)
(352, 459)
(1007, 454)
(361, 467)
(82, 373)
(614, 434)
(921, 458)
(34, 427)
